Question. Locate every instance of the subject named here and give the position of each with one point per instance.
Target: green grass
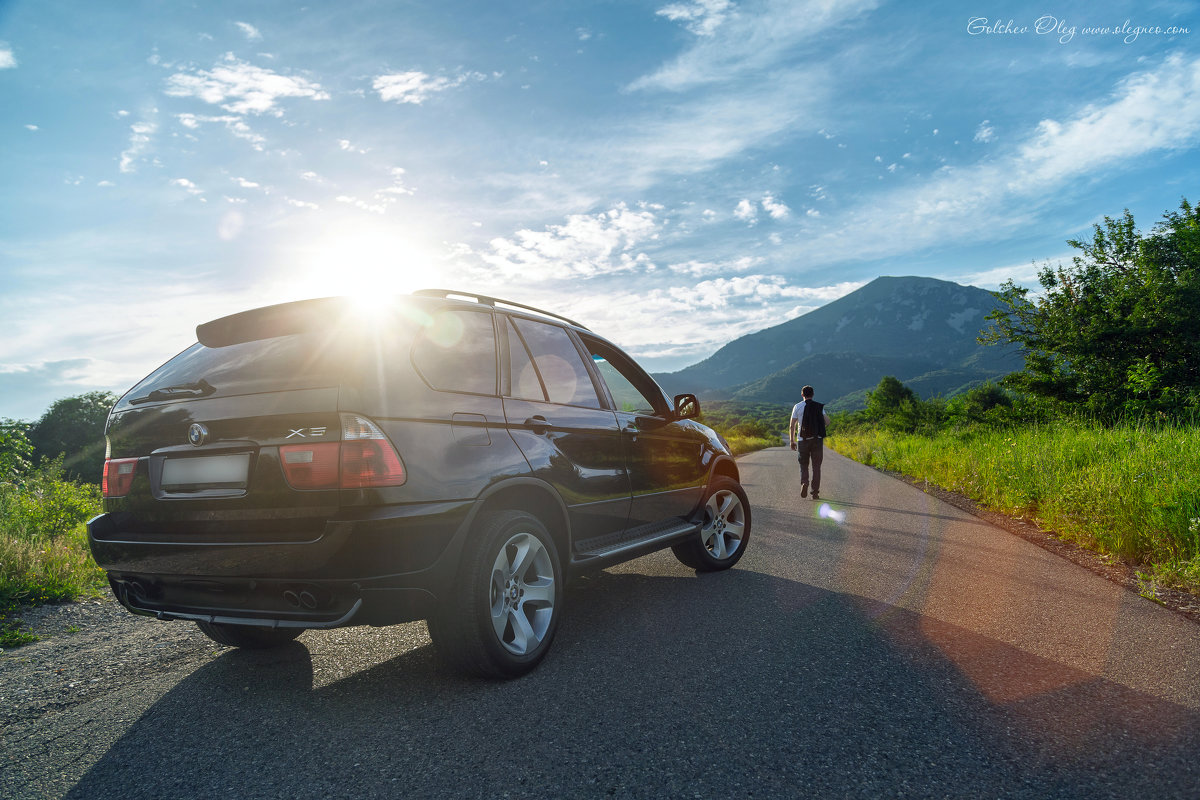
(44, 555)
(1132, 491)
(740, 445)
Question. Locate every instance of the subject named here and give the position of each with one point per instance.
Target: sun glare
(369, 265)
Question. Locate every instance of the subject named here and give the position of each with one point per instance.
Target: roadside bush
(43, 540)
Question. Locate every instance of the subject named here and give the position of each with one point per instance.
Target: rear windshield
(298, 361)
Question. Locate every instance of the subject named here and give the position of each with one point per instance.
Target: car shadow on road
(709, 685)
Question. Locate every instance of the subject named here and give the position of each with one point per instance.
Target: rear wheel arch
(533, 497)
(502, 617)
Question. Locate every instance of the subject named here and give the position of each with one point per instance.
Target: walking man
(807, 433)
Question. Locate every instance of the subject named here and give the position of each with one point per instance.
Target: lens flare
(825, 512)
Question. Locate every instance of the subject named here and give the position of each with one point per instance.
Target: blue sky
(671, 174)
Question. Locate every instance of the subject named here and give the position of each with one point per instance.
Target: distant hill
(920, 330)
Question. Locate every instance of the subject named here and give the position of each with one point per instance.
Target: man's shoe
(815, 497)
(804, 490)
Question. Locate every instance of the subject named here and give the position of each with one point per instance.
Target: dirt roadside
(85, 648)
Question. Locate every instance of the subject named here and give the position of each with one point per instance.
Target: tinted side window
(456, 352)
(632, 390)
(525, 381)
(558, 363)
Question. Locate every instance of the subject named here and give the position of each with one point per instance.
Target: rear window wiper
(200, 388)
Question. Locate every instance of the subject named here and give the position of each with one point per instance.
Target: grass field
(1132, 491)
(44, 555)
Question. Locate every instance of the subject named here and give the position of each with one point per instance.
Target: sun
(369, 264)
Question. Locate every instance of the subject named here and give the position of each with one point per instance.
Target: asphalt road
(881, 644)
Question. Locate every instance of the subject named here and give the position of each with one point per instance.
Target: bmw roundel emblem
(197, 434)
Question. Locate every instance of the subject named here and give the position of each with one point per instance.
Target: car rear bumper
(378, 566)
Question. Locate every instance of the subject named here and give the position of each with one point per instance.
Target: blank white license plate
(229, 470)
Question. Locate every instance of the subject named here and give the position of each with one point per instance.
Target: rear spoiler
(271, 321)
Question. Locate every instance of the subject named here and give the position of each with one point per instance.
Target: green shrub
(44, 554)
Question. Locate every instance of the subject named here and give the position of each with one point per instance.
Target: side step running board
(603, 547)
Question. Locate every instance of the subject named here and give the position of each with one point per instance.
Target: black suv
(451, 457)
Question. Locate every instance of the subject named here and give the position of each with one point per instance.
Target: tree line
(72, 429)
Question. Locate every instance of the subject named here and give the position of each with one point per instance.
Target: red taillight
(364, 459)
(369, 463)
(118, 476)
(311, 466)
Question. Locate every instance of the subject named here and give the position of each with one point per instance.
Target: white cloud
(775, 208)
(985, 132)
(242, 88)
(1023, 274)
(251, 33)
(721, 292)
(381, 199)
(365, 205)
(397, 187)
(31, 127)
(345, 144)
(140, 136)
(301, 204)
(586, 245)
(694, 135)
(701, 17)
(245, 184)
(234, 124)
(417, 87)
(750, 41)
(746, 211)
(188, 186)
(1153, 110)
(7, 59)
(698, 269)
(667, 326)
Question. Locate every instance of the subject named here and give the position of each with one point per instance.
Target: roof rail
(484, 299)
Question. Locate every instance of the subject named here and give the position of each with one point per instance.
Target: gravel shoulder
(85, 648)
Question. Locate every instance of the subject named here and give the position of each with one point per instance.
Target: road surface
(878, 644)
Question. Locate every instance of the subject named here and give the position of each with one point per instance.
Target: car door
(571, 440)
(665, 455)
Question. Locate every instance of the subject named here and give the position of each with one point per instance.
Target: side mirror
(686, 406)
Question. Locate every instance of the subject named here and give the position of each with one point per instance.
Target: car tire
(249, 637)
(724, 532)
(501, 618)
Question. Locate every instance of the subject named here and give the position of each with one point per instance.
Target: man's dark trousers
(813, 449)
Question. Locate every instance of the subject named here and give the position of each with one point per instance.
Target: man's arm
(792, 432)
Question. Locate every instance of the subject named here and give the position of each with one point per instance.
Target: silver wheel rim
(724, 525)
(522, 593)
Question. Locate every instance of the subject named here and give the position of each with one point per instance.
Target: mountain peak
(908, 323)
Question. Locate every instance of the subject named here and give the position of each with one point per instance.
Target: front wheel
(248, 636)
(725, 530)
(501, 619)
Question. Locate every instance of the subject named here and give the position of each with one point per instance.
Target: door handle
(538, 424)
